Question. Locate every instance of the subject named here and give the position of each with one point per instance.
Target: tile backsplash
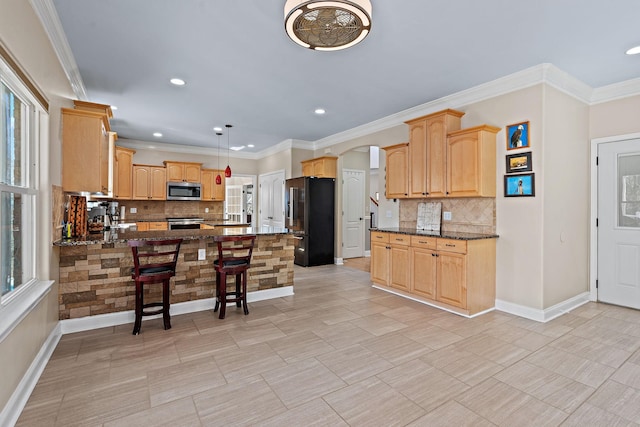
(160, 210)
(470, 215)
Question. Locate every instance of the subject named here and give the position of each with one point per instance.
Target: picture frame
(521, 185)
(518, 136)
(520, 162)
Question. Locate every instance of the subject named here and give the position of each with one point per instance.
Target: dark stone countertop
(122, 235)
(443, 234)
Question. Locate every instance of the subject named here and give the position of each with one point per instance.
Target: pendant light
(227, 171)
(218, 177)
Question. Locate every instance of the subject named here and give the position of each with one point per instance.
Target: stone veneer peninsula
(95, 271)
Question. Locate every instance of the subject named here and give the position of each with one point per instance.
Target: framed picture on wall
(522, 185)
(520, 162)
(518, 136)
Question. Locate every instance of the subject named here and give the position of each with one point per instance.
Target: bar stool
(234, 258)
(154, 261)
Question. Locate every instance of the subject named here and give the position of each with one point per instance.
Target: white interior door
(619, 223)
(271, 199)
(353, 189)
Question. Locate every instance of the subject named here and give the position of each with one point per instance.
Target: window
(233, 202)
(17, 184)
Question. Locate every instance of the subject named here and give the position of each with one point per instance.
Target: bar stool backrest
(234, 251)
(154, 257)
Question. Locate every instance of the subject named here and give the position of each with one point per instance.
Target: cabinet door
(436, 129)
(192, 173)
(418, 160)
(307, 168)
(142, 226)
(158, 184)
(123, 174)
(160, 225)
(175, 172)
(452, 283)
(397, 173)
(85, 152)
(462, 165)
(207, 179)
(380, 263)
(423, 272)
(141, 179)
(219, 190)
(400, 271)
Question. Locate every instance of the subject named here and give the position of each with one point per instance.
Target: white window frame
(16, 305)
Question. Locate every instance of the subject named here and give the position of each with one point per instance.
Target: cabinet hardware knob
(450, 245)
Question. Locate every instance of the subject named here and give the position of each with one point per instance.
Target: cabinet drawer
(399, 239)
(158, 226)
(452, 245)
(377, 236)
(426, 242)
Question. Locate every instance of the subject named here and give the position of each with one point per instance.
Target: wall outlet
(206, 210)
(446, 216)
(202, 254)
(133, 210)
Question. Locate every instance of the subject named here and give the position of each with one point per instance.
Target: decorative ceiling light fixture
(327, 25)
(218, 177)
(227, 171)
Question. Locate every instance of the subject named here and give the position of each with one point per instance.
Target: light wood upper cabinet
(85, 151)
(471, 162)
(149, 182)
(123, 173)
(183, 171)
(397, 183)
(427, 152)
(210, 190)
(321, 167)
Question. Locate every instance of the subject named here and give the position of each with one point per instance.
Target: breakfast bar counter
(95, 271)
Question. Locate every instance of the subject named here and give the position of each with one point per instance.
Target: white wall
(22, 35)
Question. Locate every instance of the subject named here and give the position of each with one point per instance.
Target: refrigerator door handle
(291, 206)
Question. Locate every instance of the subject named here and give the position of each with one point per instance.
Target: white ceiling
(242, 69)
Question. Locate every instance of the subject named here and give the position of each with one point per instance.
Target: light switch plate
(446, 216)
(389, 214)
(202, 254)
(133, 210)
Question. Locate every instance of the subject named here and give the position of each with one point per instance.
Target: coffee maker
(113, 213)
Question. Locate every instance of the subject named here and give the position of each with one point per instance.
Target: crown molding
(616, 91)
(48, 16)
(193, 149)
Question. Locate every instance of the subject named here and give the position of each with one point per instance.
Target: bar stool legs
(239, 296)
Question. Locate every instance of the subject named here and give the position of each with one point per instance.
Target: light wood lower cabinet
(392, 250)
(455, 274)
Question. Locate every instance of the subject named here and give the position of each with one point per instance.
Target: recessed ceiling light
(634, 50)
(113, 107)
(177, 82)
(157, 134)
(217, 129)
(237, 148)
(320, 111)
(250, 145)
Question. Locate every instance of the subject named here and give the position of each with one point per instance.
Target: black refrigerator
(310, 215)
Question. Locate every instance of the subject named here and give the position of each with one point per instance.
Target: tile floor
(340, 353)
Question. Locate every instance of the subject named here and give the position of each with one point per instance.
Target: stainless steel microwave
(184, 191)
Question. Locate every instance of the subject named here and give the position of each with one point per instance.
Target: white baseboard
(367, 254)
(546, 314)
(69, 326)
(12, 410)
(338, 261)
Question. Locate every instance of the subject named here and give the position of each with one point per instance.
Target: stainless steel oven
(184, 223)
(184, 191)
